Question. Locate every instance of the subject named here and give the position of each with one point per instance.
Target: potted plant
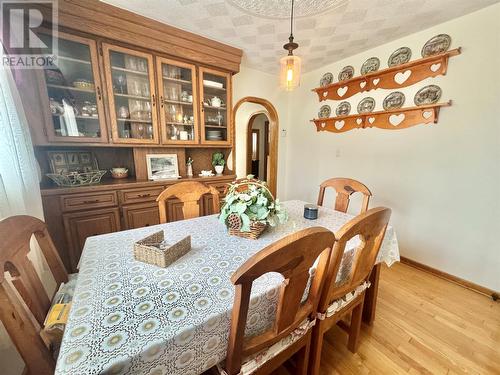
(249, 207)
(218, 162)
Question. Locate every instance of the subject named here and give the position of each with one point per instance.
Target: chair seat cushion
(253, 362)
(342, 302)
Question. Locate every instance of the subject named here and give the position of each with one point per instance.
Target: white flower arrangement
(249, 201)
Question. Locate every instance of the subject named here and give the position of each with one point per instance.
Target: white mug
(183, 135)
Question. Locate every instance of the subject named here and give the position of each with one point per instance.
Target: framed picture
(162, 166)
(73, 158)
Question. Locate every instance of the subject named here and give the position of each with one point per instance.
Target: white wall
(441, 181)
(251, 82)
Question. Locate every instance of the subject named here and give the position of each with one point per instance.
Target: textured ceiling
(326, 30)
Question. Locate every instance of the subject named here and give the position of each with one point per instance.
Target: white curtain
(19, 185)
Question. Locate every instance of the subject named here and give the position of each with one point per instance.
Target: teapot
(216, 102)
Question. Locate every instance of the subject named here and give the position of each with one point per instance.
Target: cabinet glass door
(131, 94)
(215, 92)
(74, 107)
(178, 99)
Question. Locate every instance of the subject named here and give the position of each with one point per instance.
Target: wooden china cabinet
(178, 101)
(73, 84)
(215, 91)
(125, 86)
(131, 95)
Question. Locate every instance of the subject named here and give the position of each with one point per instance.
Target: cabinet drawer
(74, 202)
(140, 195)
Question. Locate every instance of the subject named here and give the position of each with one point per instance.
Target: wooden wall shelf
(391, 78)
(396, 119)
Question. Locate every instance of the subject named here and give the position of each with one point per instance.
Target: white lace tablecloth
(130, 317)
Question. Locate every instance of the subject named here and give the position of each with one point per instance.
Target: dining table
(130, 317)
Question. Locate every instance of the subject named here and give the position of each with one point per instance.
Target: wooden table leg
(371, 296)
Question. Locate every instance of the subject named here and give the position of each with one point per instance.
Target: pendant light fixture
(290, 64)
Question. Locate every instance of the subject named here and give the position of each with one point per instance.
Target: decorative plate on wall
(326, 79)
(370, 65)
(366, 105)
(343, 109)
(394, 100)
(346, 73)
(436, 45)
(400, 56)
(428, 95)
(324, 111)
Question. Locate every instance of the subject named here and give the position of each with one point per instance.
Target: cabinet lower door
(80, 225)
(141, 215)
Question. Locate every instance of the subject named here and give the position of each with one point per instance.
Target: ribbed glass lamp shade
(290, 72)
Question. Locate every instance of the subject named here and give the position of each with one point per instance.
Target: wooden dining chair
(189, 193)
(345, 294)
(24, 302)
(344, 188)
(292, 257)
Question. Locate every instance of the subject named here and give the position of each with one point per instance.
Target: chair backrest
(370, 227)
(344, 187)
(189, 193)
(23, 307)
(292, 257)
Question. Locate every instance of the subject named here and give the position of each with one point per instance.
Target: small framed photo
(85, 158)
(58, 158)
(162, 166)
(73, 158)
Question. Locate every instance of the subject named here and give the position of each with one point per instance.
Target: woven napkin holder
(148, 250)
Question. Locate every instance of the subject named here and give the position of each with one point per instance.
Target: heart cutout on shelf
(323, 124)
(371, 120)
(427, 114)
(395, 120)
(376, 81)
(339, 124)
(359, 121)
(435, 67)
(401, 78)
(342, 90)
(362, 84)
(325, 94)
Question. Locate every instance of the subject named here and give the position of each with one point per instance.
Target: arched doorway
(272, 115)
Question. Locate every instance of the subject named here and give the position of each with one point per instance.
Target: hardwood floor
(424, 325)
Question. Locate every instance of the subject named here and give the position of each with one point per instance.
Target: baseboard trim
(454, 279)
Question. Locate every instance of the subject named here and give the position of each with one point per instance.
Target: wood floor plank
(424, 325)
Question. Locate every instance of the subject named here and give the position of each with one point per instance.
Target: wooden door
(141, 215)
(131, 95)
(71, 93)
(80, 225)
(215, 119)
(178, 102)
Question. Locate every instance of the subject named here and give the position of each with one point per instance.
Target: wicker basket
(147, 250)
(256, 229)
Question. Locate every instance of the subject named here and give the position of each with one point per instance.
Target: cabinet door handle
(154, 100)
(90, 202)
(161, 101)
(144, 195)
